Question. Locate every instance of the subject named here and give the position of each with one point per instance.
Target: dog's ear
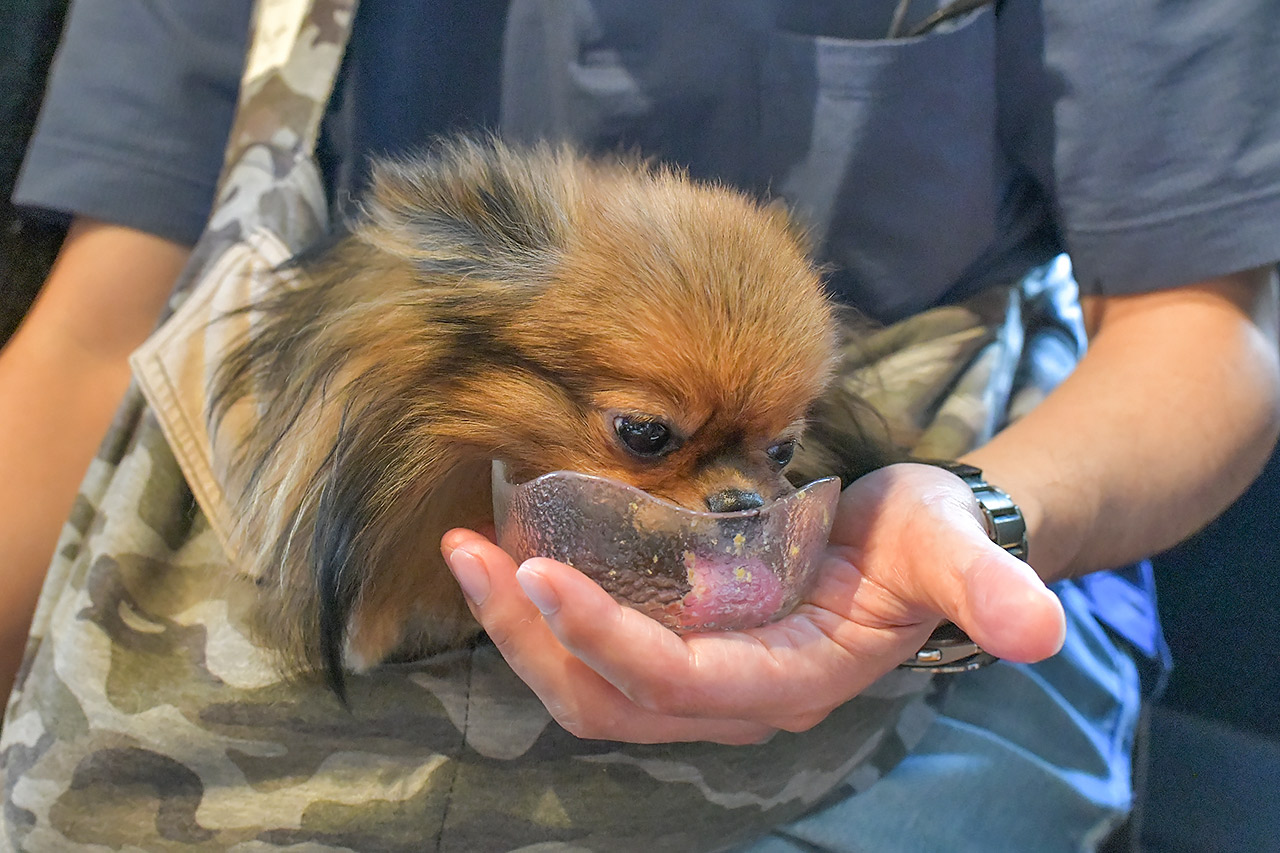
(472, 207)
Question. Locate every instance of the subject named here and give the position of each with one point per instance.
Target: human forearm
(61, 379)
(1167, 419)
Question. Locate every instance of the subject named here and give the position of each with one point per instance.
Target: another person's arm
(1170, 415)
(61, 378)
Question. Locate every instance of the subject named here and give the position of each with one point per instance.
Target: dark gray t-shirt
(137, 112)
(1142, 138)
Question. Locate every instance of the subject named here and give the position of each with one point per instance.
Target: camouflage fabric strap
(290, 70)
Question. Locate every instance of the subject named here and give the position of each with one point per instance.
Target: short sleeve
(1155, 126)
(136, 117)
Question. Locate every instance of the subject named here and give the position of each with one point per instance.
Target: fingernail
(539, 591)
(470, 574)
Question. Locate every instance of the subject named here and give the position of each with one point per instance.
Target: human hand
(907, 548)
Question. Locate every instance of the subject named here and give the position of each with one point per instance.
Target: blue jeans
(1021, 758)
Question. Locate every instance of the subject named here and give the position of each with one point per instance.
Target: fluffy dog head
(557, 313)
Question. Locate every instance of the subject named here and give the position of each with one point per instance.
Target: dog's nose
(734, 500)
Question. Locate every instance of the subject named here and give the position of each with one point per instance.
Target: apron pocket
(887, 148)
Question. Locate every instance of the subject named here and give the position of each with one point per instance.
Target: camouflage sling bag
(147, 718)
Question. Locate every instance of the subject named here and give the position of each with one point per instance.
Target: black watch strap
(949, 649)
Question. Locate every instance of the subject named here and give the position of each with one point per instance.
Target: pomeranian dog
(554, 312)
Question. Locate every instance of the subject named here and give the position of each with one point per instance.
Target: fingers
(788, 675)
(578, 698)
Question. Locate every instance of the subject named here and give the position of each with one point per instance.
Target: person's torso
(897, 153)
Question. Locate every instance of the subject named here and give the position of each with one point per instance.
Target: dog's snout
(734, 500)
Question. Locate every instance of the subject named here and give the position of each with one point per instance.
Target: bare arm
(1169, 417)
(61, 378)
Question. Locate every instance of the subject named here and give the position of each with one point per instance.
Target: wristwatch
(949, 649)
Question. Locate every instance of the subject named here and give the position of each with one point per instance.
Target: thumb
(1007, 610)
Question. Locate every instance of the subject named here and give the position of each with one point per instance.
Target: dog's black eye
(644, 436)
(780, 454)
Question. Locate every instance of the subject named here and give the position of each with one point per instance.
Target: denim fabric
(1021, 758)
